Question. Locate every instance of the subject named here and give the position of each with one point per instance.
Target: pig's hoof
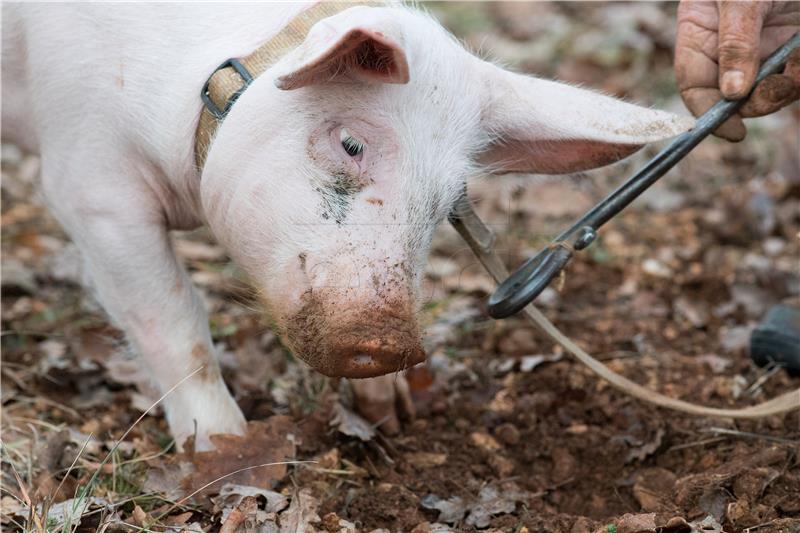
(384, 401)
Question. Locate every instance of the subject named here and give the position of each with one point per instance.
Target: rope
(481, 240)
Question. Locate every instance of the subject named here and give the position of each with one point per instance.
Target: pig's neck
(224, 32)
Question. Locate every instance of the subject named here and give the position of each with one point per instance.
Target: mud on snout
(359, 341)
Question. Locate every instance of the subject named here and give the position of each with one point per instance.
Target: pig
(324, 182)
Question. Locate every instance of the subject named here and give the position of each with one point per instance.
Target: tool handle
(531, 278)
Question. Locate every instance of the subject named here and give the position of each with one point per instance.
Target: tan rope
(481, 240)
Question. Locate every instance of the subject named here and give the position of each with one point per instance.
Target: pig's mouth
(373, 342)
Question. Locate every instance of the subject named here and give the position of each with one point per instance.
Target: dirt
(503, 439)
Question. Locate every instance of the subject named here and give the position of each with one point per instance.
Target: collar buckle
(243, 73)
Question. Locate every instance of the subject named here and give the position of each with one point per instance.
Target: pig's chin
(363, 343)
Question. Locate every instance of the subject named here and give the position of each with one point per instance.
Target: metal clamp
(212, 107)
(525, 283)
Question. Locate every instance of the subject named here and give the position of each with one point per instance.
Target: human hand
(719, 48)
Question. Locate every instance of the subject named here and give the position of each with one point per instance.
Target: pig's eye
(351, 145)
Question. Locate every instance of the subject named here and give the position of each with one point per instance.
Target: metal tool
(530, 279)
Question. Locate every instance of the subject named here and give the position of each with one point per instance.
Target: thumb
(739, 36)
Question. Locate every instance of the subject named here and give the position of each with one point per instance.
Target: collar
(232, 77)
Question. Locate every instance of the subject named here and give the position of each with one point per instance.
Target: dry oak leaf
(301, 514)
(637, 523)
(266, 442)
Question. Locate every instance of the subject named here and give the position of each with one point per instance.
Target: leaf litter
(582, 457)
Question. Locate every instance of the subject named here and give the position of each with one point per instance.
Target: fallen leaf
(73, 509)
(491, 500)
(232, 494)
(140, 518)
(714, 502)
(351, 424)
(706, 525)
(334, 524)
(641, 449)
(526, 363)
(301, 513)
(237, 517)
(9, 508)
(653, 488)
(266, 442)
(178, 520)
(637, 523)
(529, 362)
(451, 510)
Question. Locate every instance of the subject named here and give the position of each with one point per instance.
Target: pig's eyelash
(351, 145)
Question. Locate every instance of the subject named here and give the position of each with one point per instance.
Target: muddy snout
(361, 345)
(379, 355)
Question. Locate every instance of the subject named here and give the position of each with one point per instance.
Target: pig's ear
(361, 44)
(551, 128)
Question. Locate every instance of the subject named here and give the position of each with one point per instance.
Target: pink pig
(324, 182)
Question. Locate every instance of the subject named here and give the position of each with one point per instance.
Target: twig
(757, 384)
(747, 434)
(114, 448)
(47, 401)
(693, 444)
(758, 526)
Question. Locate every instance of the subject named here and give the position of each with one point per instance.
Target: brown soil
(665, 297)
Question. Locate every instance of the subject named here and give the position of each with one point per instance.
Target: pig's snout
(375, 357)
(355, 344)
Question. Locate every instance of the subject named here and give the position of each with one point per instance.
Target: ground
(510, 434)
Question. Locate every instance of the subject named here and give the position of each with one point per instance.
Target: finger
(696, 45)
(739, 35)
(693, 68)
(776, 91)
(772, 94)
(700, 99)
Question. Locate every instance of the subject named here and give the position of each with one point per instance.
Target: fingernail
(732, 83)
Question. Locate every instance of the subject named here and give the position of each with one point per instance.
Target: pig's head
(329, 175)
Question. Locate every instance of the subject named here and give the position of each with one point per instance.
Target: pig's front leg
(383, 400)
(145, 289)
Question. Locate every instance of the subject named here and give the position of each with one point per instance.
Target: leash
(516, 292)
(481, 240)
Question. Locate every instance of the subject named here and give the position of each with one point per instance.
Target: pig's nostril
(362, 359)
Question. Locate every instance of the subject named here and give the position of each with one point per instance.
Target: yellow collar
(232, 77)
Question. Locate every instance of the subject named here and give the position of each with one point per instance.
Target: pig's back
(128, 71)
